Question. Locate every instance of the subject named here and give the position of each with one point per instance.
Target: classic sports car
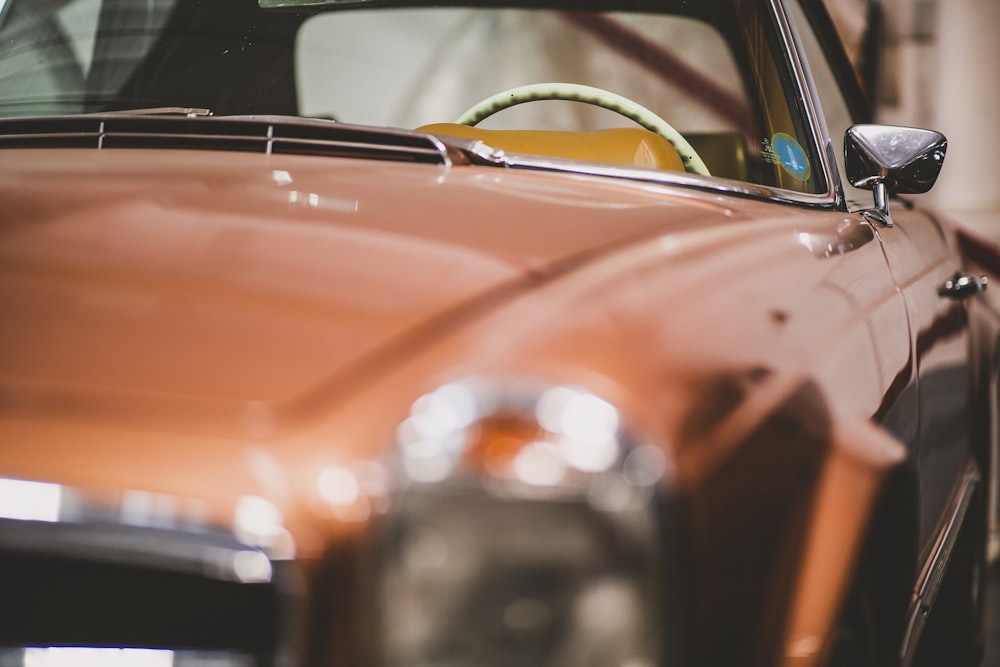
(558, 333)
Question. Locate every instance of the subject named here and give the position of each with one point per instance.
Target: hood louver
(267, 135)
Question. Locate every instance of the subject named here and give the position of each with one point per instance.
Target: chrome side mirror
(889, 160)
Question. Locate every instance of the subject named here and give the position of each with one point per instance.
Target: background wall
(943, 72)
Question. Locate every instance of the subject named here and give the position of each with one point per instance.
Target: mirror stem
(880, 214)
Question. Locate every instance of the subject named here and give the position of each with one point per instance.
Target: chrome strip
(683, 179)
(993, 475)
(213, 556)
(477, 152)
(443, 150)
(149, 533)
(269, 139)
(139, 529)
(934, 568)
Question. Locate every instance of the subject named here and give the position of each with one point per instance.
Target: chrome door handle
(962, 285)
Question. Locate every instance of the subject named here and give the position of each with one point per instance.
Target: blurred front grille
(198, 594)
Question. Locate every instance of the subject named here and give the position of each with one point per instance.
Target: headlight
(525, 528)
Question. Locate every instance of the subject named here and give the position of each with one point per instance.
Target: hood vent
(254, 134)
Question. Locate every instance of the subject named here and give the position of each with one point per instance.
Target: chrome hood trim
(257, 134)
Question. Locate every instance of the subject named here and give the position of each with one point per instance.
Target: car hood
(200, 280)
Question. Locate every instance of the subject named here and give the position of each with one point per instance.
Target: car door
(936, 383)
(923, 259)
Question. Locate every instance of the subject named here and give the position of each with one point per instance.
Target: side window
(835, 109)
(787, 157)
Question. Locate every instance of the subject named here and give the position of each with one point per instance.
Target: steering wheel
(574, 92)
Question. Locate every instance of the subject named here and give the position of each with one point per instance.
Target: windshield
(710, 70)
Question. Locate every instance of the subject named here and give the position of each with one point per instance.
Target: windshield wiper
(190, 112)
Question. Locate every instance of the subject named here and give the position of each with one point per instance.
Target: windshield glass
(711, 70)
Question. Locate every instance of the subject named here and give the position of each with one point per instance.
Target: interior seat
(625, 146)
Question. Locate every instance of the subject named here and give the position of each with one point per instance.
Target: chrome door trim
(794, 54)
(934, 567)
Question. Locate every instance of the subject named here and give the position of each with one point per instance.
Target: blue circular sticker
(791, 156)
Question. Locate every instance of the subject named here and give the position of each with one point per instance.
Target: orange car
(556, 334)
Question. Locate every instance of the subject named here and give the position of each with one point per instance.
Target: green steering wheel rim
(575, 92)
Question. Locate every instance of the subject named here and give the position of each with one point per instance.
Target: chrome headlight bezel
(526, 523)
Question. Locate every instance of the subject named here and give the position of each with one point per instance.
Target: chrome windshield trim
(676, 178)
(794, 54)
(478, 153)
(934, 567)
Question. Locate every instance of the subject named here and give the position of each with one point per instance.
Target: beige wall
(944, 73)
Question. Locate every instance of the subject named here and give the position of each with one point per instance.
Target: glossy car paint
(213, 326)
(131, 296)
